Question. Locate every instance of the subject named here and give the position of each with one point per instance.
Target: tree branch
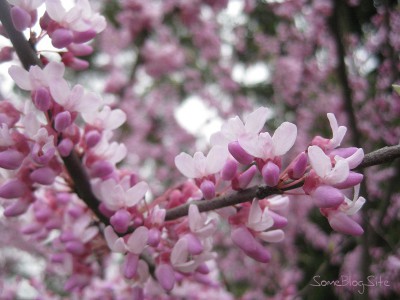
(377, 157)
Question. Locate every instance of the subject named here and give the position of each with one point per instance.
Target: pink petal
(21, 77)
(216, 159)
(179, 253)
(165, 276)
(272, 236)
(284, 138)
(138, 240)
(319, 161)
(339, 173)
(342, 223)
(136, 193)
(185, 164)
(255, 121)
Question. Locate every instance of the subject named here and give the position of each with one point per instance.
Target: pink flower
(260, 221)
(200, 166)
(116, 195)
(266, 147)
(199, 223)
(322, 165)
(234, 129)
(115, 243)
(79, 18)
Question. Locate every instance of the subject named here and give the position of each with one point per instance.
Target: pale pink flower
(138, 240)
(116, 195)
(112, 152)
(183, 261)
(37, 77)
(199, 224)
(115, 243)
(79, 18)
(106, 118)
(322, 165)
(266, 147)
(260, 221)
(234, 128)
(200, 166)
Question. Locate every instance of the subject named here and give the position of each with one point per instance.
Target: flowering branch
(28, 58)
(380, 156)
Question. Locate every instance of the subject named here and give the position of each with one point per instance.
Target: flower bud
(92, 138)
(101, 169)
(42, 99)
(61, 37)
(83, 37)
(130, 265)
(75, 247)
(12, 188)
(352, 180)
(80, 49)
(239, 153)
(242, 238)
(243, 180)
(62, 121)
(203, 269)
(298, 166)
(121, 220)
(166, 276)
(342, 223)
(194, 245)
(279, 221)
(43, 176)
(326, 196)
(11, 159)
(270, 173)
(20, 18)
(65, 147)
(229, 170)
(208, 189)
(154, 237)
(17, 208)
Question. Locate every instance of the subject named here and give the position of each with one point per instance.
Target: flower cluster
(69, 30)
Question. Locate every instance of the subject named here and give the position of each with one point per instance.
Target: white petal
(284, 138)
(136, 193)
(339, 173)
(278, 202)
(60, 91)
(54, 70)
(356, 206)
(116, 118)
(320, 162)
(257, 146)
(219, 139)
(355, 159)
(216, 159)
(185, 164)
(255, 121)
(233, 128)
(114, 243)
(55, 10)
(272, 236)
(195, 219)
(179, 253)
(138, 240)
(21, 77)
(255, 212)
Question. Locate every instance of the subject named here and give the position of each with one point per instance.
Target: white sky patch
(254, 74)
(197, 118)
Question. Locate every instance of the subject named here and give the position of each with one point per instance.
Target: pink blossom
(234, 129)
(200, 166)
(322, 165)
(79, 18)
(116, 195)
(266, 147)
